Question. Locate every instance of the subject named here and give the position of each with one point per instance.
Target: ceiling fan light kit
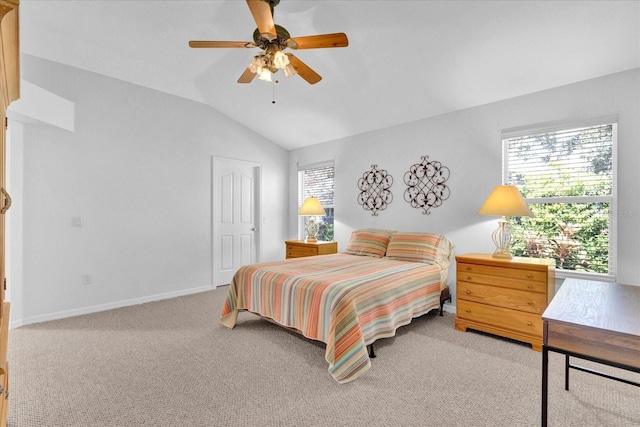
(273, 39)
(267, 63)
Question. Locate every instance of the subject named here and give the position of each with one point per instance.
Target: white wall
(468, 142)
(137, 172)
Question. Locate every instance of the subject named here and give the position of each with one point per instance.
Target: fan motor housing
(282, 35)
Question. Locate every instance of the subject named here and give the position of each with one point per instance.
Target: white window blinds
(567, 176)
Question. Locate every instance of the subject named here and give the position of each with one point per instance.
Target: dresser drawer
(301, 251)
(531, 302)
(516, 273)
(301, 248)
(505, 281)
(526, 323)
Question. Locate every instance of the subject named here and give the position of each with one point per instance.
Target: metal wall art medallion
(375, 193)
(426, 187)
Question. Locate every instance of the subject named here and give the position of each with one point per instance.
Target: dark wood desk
(595, 321)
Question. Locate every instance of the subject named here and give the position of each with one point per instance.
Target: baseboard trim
(449, 308)
(104, 307)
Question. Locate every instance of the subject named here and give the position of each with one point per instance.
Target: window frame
(560, 126)
(301, 194)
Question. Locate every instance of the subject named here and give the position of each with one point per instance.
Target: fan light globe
(280, 60)
(289, 71)
(264, 75)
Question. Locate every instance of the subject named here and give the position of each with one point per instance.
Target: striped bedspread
(345, 301)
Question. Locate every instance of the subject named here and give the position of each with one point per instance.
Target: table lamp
(505, 201)
(311, 207)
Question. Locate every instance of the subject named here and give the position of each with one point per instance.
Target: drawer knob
(468, 268)
(469, 278)
(468, 310)
(467, 291)
(529, 324)
(530, 303)
(529, 276)
(529, 286)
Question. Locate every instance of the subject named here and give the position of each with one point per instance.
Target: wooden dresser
(504, 297)
(301, 248)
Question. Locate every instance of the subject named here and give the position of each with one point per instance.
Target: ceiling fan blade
(262, 14)
(247, 76)
(304, 70)
(203, 43)
(319, 41)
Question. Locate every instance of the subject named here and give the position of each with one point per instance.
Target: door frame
(257, 210)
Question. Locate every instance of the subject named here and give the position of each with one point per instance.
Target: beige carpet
(170, 363)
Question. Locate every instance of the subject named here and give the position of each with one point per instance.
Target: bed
(348, 300)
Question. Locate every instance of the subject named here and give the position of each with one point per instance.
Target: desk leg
(545, 383)
(566, 372)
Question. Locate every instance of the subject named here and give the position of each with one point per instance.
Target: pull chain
(273, 91)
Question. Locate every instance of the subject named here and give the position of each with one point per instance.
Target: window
(317, 181)
(567, 176)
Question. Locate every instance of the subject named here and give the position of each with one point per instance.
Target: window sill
(572, 274)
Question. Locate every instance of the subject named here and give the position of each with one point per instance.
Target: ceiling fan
(273, 39)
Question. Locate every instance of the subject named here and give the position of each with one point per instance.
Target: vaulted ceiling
(406, 60)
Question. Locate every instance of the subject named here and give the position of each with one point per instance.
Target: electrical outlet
(86, 279)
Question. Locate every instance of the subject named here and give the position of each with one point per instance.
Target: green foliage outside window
(325, 232)
(576, 235)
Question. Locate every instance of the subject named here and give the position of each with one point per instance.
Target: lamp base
(502, 239)
(503, 255)
(311, 231)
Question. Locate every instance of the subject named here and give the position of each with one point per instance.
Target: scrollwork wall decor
(426, 187)
(375, 193)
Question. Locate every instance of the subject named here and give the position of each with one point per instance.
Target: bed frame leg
(444, 296)
(372, 354)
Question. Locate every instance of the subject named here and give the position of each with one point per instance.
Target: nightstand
(301, 248)
(504, 297)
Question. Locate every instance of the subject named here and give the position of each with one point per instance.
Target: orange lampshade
(312, 207)
(505, 200)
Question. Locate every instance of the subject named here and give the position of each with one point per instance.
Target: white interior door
(235, 209)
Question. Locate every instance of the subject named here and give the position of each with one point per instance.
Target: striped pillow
(369, 242)
(419, 247)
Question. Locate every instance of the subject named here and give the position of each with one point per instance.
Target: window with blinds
(567, 176)
(317, 181)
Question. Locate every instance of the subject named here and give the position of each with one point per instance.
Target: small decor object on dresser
(504, 297)
(301, 248)
(375, 193)
(426, 187)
